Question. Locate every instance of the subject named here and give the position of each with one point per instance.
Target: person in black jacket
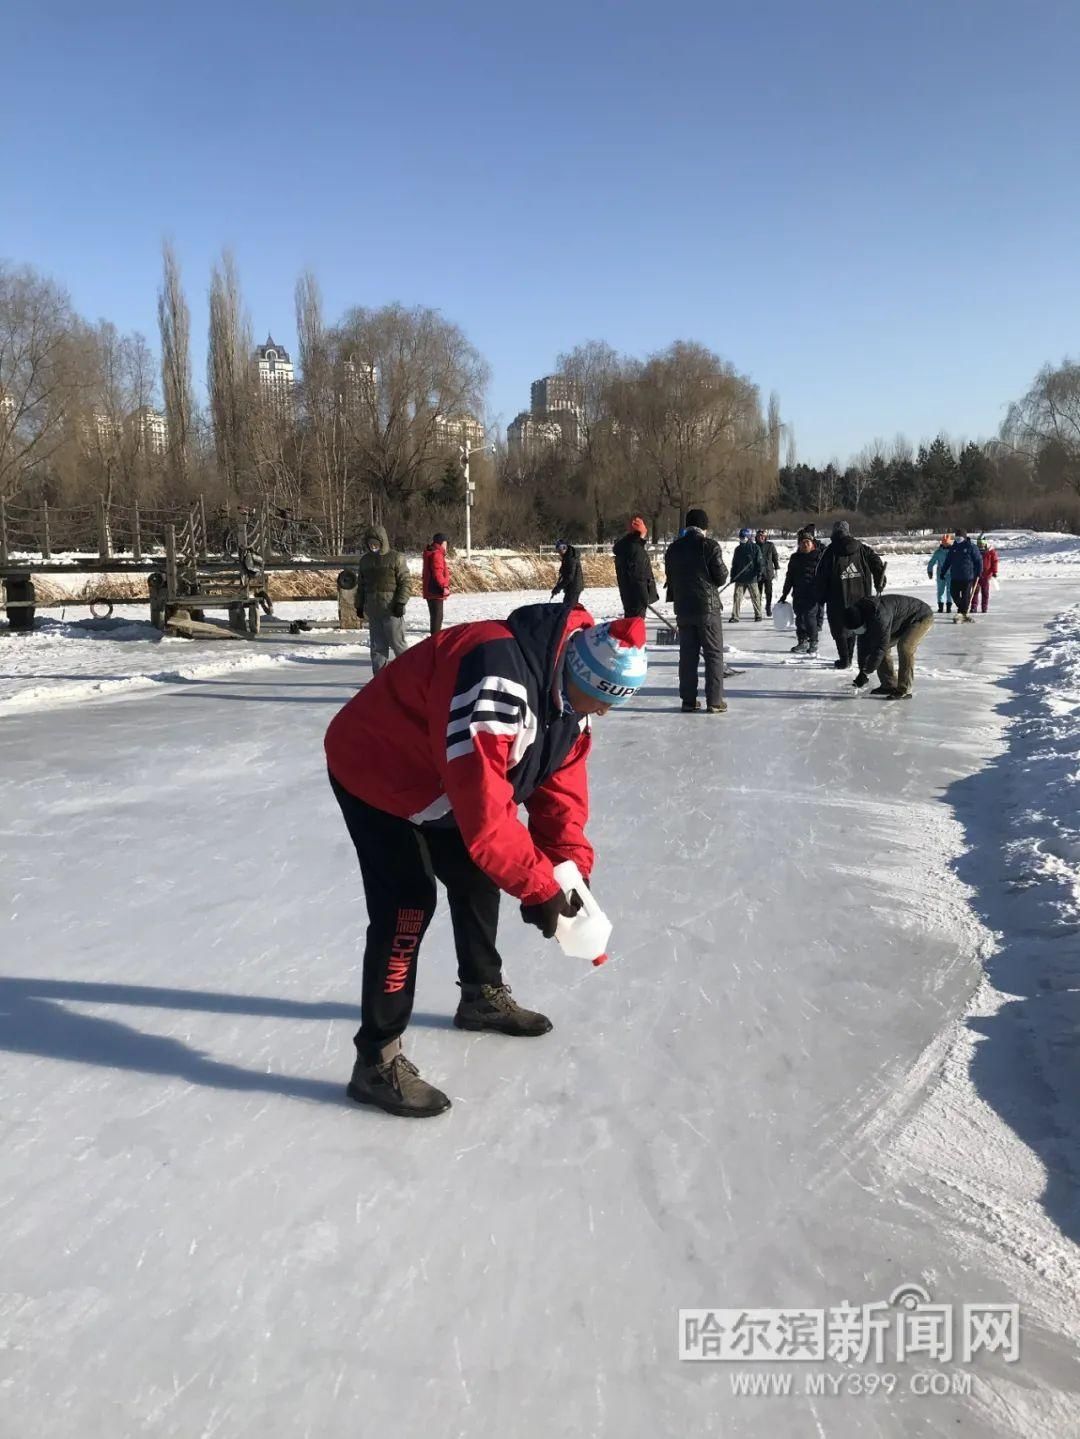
(571, 580)
(695, 571)
(800, 582)
(634, 571)
(849, 571)
(770, 562)
(880, 624)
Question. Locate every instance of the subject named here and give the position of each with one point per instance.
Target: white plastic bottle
(585, 936)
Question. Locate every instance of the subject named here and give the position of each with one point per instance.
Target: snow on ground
(833, 1054)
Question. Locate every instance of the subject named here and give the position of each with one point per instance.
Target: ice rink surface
(764, 1099)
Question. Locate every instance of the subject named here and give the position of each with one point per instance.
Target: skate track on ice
(745, 1107)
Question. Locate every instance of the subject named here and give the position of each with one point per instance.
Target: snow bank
(998, 1136)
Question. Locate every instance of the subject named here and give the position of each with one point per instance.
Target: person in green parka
(382, 592)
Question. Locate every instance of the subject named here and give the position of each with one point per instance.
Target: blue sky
(871, 207)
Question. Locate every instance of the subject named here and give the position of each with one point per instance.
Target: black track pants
(400, 864)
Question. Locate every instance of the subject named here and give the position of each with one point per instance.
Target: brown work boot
(492, 1006)
(384, 1077)
(720, 708)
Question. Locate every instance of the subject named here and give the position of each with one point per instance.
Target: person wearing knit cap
(429, 764)
(695, 570)
(634, 571)
(435, 580)
(936, 568)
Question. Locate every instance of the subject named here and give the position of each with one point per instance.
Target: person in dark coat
(800, 581)
(849, 571)
(811, 530)
(695, 571)
(634, 571)
(382, 592)
(963, 565)
(747, 572)
(770, 561)
(880, 625)
(571, 579)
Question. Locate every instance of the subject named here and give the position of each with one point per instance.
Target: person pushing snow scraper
(429, 763)
(880, 625)
(571, 578)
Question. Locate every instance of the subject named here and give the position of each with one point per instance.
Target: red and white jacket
(465, 727)
(435, 581)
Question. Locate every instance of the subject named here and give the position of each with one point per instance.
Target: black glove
(398, 611)
(860, 680)
(545, 916)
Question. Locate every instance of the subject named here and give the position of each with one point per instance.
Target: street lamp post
(470, 488)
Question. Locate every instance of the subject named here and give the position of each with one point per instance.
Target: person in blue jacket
(963, 565)
(936, 566)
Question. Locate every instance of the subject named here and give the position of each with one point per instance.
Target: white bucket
(783, 616)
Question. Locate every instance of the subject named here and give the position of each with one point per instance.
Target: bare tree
(593, 371)
(174, 325)
(38, 377)
(415, 372)
(228, 375)
(1048, 417)
(328, 394)
(691, 430)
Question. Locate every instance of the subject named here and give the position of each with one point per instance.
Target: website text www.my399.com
(753, 1384)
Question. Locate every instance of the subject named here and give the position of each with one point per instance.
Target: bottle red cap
(600, 959)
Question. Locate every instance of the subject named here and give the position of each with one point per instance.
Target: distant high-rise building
(151, 430)
(358, 385)
(526, 435)
(559, 401)
(459, 430)
(99, 430)
(275, 375)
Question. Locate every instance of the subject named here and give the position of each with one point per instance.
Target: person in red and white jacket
(436, 580)
(430, 762)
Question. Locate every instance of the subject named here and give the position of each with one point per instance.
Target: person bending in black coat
(880, 625)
